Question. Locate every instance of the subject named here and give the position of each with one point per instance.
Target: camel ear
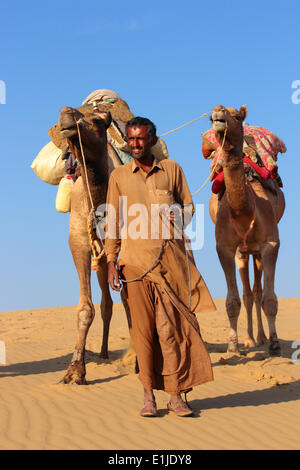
(243, 111)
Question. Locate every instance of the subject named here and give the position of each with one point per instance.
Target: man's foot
(149, 409)
(180, 408)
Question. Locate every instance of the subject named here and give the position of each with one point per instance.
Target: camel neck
(234, 176)
(96, 170)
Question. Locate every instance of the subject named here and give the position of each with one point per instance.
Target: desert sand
(253, 402)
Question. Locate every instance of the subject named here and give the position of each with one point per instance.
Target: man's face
(139, 142)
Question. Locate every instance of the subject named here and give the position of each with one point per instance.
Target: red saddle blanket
(265, 144)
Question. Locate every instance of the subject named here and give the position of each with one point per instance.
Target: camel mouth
(219, 124)
(68, 132)
(219, 120)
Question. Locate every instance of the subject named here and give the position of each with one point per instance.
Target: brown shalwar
(170, 352)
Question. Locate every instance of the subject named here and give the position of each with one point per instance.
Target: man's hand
(113, 276)
(170, 215)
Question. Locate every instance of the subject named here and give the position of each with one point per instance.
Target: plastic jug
(63, 197)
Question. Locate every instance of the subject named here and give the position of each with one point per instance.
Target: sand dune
(253, 402)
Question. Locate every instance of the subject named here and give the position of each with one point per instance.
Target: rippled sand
(253, 402)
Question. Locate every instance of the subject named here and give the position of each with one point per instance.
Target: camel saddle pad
(258, 142)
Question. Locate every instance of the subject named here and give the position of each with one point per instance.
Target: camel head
(229, 120)
(92, 127)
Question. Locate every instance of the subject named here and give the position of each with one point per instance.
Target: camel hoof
(72, 381)
(249, 343)
(233, 348)
(275, 350)
(104, 355)
(261, 340)
(75, 374)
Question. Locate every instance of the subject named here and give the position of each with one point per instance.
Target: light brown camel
(241, 203)
(99, 164)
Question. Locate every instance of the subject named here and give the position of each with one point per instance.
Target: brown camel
(245, 208)
(99, 164)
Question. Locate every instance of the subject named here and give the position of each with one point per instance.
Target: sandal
(181, 409)
(149, 409)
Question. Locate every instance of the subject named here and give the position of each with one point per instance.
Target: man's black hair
(141, 121)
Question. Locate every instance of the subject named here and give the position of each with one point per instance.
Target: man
(160, 276)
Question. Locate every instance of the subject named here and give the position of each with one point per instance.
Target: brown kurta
(175, 279)
(164, 184)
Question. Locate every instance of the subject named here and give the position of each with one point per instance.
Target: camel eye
(238, 118)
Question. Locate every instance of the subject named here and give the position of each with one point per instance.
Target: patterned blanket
(260, 144)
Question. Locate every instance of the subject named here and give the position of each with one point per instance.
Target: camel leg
(269, 299)
(106, 314)
(233, 303)
(243, 266)
(105, 307)
(85, 310)
(257, 294)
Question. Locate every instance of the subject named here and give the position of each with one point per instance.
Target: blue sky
(171, 61)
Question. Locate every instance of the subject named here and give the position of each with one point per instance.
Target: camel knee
(85, 319)
(233, 307)
(270, 306)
